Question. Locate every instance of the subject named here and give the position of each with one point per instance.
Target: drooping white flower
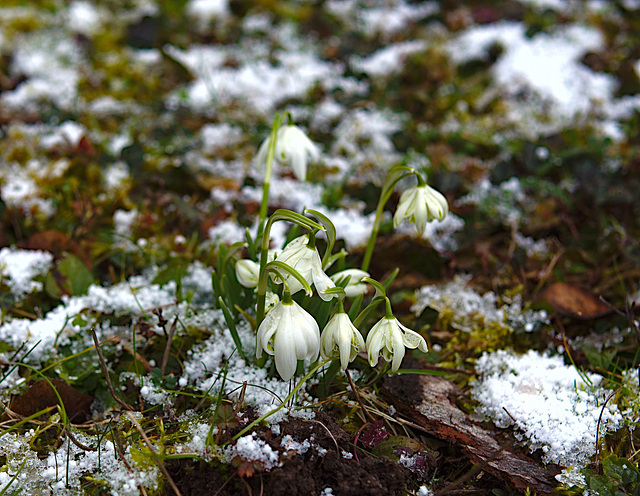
(306, 261)
(271, 300)
(341, 338)
(388, 338)
(355, 286)
(419, 205)
(290, 334)
(248, 273)
(293, 148)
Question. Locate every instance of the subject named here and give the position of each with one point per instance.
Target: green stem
(268, 171)
(286, 400)
(280, 214)
(396, 174)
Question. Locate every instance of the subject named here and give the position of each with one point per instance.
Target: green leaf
(620, 469)
(71, 276)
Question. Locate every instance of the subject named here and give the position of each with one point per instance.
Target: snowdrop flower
(290, 334)
(388, 338)
(293, 148)
(248, 273)
(355, 286)
(341, 338)
(304, 258)
(419, 205)
(271, 299)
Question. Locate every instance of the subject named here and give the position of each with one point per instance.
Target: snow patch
(552, 406)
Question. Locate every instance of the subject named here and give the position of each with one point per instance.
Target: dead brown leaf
(574, 301)
(40, 395)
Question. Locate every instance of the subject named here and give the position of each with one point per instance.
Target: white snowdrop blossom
(419, 205)
(290, 334)
(293, 148)
(271, 299)
(355, 286)
(388, 338)
(306, 261)
(341, 338)
(248, 273)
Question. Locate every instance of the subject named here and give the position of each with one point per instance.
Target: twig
(604, 405)
(161, 465)
(72, 438)
(165, 357)
(105, 371)
(328, 432)
(120, 450)
(355, 391)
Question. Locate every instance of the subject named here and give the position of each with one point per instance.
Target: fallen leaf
(40, 395)
(374, 434)
(574, 301)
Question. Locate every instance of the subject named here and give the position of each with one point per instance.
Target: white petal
(266, 330)
(405, 205)
(397, 346)
(412, 339)
(421, 217)
(438, 205)
(344, 345)
(374, 343)
(308, 333)
(247, 273)
(285, 353)
(322, 282)
(298, 162)
(261, 157)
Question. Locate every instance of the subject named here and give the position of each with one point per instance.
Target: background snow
(19, 268)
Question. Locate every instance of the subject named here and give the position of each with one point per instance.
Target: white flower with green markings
(305, 259)
(341, 338)
(419, 205)
(289, 333)
(293, 148)
(248, 273)
(389, 338)
(355, 286)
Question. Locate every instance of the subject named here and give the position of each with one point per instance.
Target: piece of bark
(426, 400)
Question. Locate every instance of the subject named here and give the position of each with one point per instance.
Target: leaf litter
(184, 110)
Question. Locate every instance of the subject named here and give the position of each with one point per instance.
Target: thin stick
(76, 442)
(167, 350)
(355, 391)
(161, 466)
(120, 450)
(105, 371)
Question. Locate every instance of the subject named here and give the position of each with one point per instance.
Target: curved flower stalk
(419, 205)
(389, 338)
(396, 174)
(293, 148)
(302, 256)
(290, 334)
(355, 284)
(341, 338)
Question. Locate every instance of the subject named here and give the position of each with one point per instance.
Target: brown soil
(305, 474)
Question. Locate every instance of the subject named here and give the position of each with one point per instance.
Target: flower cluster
(286, 330)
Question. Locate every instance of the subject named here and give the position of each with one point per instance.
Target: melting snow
(468, 308)
(553, 407)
